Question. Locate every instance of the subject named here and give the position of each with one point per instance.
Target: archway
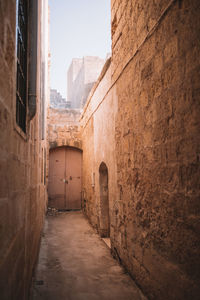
(64, 186)
(104, 201)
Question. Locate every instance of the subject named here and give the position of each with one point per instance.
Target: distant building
(57, 101)
(81, 76)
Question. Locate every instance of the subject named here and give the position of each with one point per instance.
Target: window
(21, 89)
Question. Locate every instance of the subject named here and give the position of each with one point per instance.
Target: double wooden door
(64, 187)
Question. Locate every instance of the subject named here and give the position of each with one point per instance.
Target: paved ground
(75, 264)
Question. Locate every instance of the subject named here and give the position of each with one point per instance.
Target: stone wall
(63, 128)
(82, 75)
(156, 74)
(72, 74)
(77, 89)
(98, 138)
(144, 125)
(22, 175)
(57, 101)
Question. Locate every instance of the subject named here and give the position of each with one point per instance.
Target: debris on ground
(52, 211)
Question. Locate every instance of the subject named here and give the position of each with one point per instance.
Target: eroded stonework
(63, 128)
(144, 125)
(23, 193)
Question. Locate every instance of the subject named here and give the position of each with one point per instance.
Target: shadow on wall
(104, 201)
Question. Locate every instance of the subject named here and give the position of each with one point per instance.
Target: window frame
(21, 90)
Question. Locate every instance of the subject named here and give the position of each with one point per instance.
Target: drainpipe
(33, 47)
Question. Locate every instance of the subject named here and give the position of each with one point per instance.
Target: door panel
(56, 186)
(73, 176)
(65, 178)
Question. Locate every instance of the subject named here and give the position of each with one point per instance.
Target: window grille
(21, 89)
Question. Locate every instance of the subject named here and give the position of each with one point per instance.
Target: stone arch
(104, 201)
(65, 142)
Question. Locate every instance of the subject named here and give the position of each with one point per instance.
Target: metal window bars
(21, 88)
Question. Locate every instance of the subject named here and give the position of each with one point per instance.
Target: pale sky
(77, 28)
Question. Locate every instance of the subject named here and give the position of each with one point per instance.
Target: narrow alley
(75, 264)
(111, 152)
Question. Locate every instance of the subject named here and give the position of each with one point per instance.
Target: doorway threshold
(107, 242)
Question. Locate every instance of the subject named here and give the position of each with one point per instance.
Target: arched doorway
(64, 186)
(104, 201)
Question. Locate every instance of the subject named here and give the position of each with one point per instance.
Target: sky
(77, 28)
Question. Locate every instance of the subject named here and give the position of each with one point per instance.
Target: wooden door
(56, 184)
(73, 178)
(64, 188)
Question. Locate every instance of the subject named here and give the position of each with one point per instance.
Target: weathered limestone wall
(63, 128)
(77, 89)
(71, 76)
(82, 75)
(92, 68)
(57, 101)
(22, 189)
(156, 75)
(98, 137)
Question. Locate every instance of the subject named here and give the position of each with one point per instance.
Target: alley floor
(75, 264)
